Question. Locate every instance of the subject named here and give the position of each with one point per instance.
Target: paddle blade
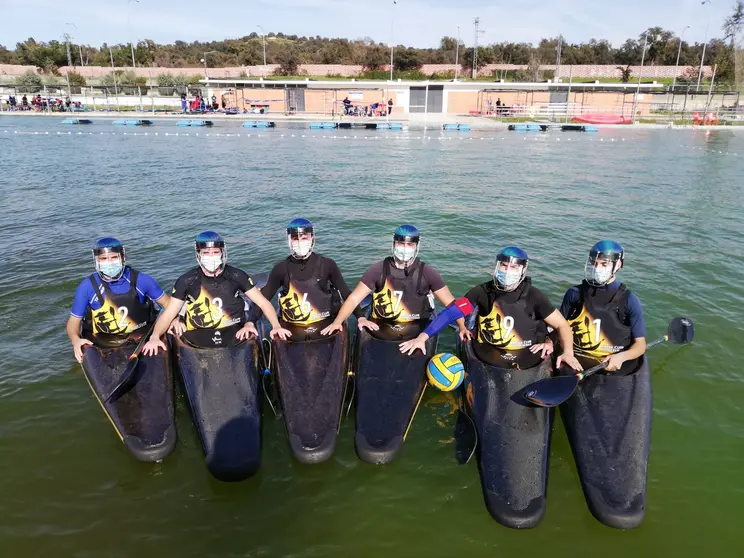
(550, 392)
(366, 301)
(125, 380)
(259, 280)
(681, 331)
(466, 437)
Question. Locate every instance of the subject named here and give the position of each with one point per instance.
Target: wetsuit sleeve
(269, 290)
(543, 307)
(635, 316)
(338, 282)
(372, 275)
(433, 278)
(458, 309)
(83, 294)
(147, 286)
(181, 287)
(570, 301)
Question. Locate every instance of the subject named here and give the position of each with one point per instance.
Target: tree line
(289, 51)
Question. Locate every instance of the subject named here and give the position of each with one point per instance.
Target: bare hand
(77, 348)
(177, 327)
(363, 323)
(570, 360)
(152, 346)
(246, 332)
(614, 362)
(546, 349)
(332, 328)
(465, 334)
(281, 333)
(409, 347)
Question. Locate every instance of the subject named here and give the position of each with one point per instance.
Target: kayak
(513, 439)
(142, 416)
(390, 385)
(310, 377)
(222, 388)
(608, 422)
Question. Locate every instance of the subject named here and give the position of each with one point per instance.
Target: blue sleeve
(570, 301)
(635, 316)
(458, 309)
(83, 294)
(147, 286)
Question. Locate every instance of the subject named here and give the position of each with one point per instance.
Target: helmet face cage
(109, 246)
(213, 240)
(415, 238)
(591, 263)
(294, 232)
(519, 258)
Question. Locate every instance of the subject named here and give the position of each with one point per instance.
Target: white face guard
(301, 248)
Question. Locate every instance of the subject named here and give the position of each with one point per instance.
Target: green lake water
(673, 198)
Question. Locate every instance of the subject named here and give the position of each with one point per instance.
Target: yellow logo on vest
(498, 330)
(588, 337)
(388, 304)
(206, 312)
(297, 309)
(113, 320)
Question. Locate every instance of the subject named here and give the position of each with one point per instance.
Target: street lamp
(640, 73)
(131, 44)
(204, 61)
(263, 36)
(705, 43)
(80, 49)
(457, 53)
(679, 51)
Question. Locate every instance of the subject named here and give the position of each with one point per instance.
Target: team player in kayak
(309, 285)
(215, 315)
(114, 302)
(513, 316)
(605, 317)
(400, 285)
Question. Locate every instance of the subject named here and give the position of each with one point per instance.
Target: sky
(419, 23)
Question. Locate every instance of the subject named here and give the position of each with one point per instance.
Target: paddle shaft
(132, 362)
(602, 365)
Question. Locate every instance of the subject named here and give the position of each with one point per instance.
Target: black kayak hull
(389, 388)
(608, 422)
(142, 417)
(513, 439)
(222, 388)
(310, 377)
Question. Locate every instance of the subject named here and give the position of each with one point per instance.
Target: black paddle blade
(466, 437)
(681, 331)
(125, 381)
(550, 392)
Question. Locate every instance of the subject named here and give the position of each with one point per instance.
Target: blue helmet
(210, 239)
(509, 279)
(300, 249)
(109, 245)
(406, 233)
(604, 261)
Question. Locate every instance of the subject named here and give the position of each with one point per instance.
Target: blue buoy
(77, 121)
(258, 124)
(322, 125)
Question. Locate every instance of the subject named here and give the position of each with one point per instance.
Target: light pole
(457, 54)
(129, 31)
(392, 35)
(204, 61)
(640, 73)
(80, 49)
(705, 43)
(679, 51)
(263, 36)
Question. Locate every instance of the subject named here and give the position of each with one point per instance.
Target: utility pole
(476, 23)
(705, 43)
(558, 57)
(457, 54)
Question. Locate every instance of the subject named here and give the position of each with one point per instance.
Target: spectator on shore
(347, 105)
(215, 106)
(24, 101)
(390, 106)
(224, 102)
(184, 103)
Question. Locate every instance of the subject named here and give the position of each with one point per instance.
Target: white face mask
(600, 275)
(403, 254)
(301, 248)
(211, 263)
(111, 269)
(508, 278)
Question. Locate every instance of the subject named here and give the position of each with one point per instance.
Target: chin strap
(458, 309)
